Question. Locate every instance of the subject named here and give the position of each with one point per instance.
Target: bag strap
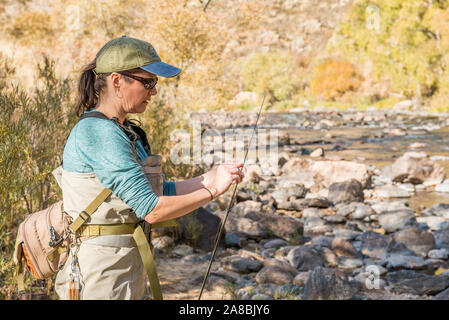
(85, 215)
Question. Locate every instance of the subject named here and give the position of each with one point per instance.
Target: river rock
(281, 263)
(443, 295)
(305, 258)
(341, 171)
(163, 243)
(199, 228)
(284, 227)
(346, 234)
(416, 239)
(274, 274)
(245, 207)
(322, 241)
(325, 173)
(301, 278)
(252, 229)
(242, 265)
(433, 223)
(312, 213)
(317, 153)
(325, 284)
(418, 165)
(275, 243)
(346, 191)
(300, 204)
(349, 263)
(440, 210)
(374, 245)
(362, 211)
(408, 281)
(380, 206)
(442, 187)
(391, 191)
(235, 239)
(397, 261)
(182, 250)
(441, 238)
(438, 254)
(344, 248)
(398, 256)
(329, 257)
(334, 219)
(393, 221)
(315, 226)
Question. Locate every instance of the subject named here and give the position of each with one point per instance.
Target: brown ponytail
(89, 87)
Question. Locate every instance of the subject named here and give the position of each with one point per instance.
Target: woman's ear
(115, 81)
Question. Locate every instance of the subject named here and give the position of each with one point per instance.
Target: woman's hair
(90, 85)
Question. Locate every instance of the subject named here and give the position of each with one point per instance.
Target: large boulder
(306, 258)
(242, 265)
(199, 228)
(393, 221)
(326, 284)
(416, 239)
(409, 281)
(346, 191)
(415, 166)
(374, 245)
(274, 274)
(322, 174)
(285, 227)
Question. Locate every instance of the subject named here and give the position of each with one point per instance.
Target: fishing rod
(220, 230)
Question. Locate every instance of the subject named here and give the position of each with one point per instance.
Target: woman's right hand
(226, 175)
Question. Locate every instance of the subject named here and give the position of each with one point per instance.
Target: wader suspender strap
(84, 215)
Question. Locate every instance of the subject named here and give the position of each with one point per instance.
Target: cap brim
(162, 69)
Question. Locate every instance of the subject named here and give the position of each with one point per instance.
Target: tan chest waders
(109, 253)
(103, 262)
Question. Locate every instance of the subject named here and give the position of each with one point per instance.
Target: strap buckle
(84, 215)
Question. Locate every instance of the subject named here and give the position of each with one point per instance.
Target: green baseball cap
(127, 53)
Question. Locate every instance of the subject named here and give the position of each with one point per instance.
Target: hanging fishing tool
(230, 205)
(75, 275)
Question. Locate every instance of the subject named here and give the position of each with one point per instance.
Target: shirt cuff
(169, 188)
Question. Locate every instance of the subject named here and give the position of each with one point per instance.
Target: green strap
(148, 262)
(84, 215)
(58, 250)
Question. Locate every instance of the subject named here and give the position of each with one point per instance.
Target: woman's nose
(153, 91)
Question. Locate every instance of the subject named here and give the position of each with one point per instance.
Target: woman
(106, 150)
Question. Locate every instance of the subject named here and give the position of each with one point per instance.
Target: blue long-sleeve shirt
(100, 146)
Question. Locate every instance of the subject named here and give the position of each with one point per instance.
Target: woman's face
(134, 96)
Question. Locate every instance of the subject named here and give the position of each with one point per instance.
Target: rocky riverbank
(322, 227)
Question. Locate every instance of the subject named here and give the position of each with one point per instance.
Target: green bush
(409, 48)
(33, 128)
(275, 73)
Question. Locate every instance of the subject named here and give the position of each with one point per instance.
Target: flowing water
(369, 142)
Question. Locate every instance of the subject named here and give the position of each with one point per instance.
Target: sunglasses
(148, 83)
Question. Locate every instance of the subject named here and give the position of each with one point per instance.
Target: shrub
(32, 26)
(275, 73)
(333, 78)
(33, 128)
(409, 48)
